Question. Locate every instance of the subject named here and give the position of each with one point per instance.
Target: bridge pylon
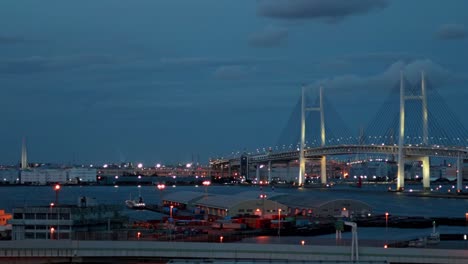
(401, 155)
(323, 160)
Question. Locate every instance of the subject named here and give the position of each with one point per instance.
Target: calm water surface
(377, 196)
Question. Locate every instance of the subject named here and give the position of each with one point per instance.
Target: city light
(140, 165)
(56, 189)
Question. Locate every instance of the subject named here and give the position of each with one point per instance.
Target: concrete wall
(307, 253)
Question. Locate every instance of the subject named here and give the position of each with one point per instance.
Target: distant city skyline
(164, 81)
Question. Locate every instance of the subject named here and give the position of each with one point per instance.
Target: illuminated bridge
(408, 130)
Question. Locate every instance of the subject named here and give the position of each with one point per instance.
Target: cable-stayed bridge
(413, 124)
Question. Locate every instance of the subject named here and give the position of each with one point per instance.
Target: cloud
(329, 10)
(269, 37)
(231, 72)
(438, 75)
(213, 62)
(451, 32)
(37, 64)
(372, 59)
(11, 40)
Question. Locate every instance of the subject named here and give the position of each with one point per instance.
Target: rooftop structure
(306, 205)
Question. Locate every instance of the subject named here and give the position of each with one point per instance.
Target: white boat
(136, 204)
(434, 237)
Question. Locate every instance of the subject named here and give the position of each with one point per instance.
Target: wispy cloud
(451, 32)
(412, 70)
(11, 40)
(37, 64)
(269, 37)
(231, 72)
(328, 10)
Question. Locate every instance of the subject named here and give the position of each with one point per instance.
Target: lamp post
(56, 189)
(161, 187)
(263, 197)
(279, 223)
(206, 184)
(386, 228)
(171, 221)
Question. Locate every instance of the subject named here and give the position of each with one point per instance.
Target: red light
(57, 187)
(385, 246)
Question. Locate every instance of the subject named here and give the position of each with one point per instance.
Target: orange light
(344, 208)
(52, 230)
(52, 204)
(302, 242)
(258, 210)
(385, 246)
(386, 213)
(221, 239)
(57, 187)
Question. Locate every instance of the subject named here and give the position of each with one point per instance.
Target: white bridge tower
(401, 142)
(302, 160)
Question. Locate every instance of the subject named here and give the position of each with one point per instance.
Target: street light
(206, 184)
(386, 228)
(56, 189)
(161, 187)
(263, 197)
(52, 230)
(171, 210)
(279, 222)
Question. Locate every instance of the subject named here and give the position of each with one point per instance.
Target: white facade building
(9, 176)
(42, 176)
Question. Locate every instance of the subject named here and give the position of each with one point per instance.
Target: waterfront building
(242, 204)
(43, 176)
(368, 169)
(9, 176)
(311, 206)
(65, 221)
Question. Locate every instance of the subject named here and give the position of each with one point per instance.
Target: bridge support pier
(401, 173)
(459, 174)
(269, 172)
(257, 172)
(323, 169)
(426, 171)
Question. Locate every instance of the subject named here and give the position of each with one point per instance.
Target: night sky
(164, 81)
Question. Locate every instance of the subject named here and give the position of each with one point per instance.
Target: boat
(434, 237)
(138, 204)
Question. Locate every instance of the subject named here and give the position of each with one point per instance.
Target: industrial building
(9, 176)
(311, 206)
(65, 221)
(242, 204)
(43, 176)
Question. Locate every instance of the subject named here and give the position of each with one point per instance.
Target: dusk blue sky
(160, 81)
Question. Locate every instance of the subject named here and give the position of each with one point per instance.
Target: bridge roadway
(314, 153)
(50, 251)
